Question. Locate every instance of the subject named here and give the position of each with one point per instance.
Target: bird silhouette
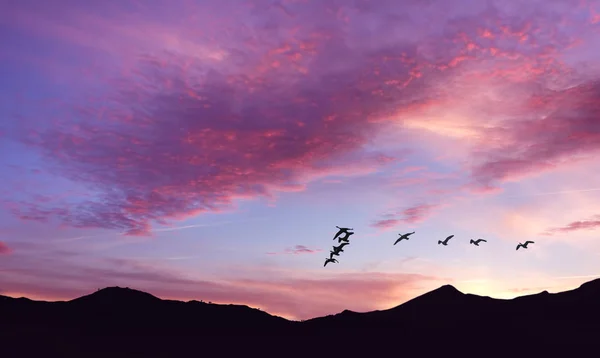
(445, 242)
(476, 242)
(340, 248)
(333, 253)
(341, 231)
(403, 237)
(328, 260)
(345, 238)
(342, 239)
(525, 244)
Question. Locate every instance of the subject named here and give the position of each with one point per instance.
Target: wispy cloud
(296, 250)
(162, 229)
(589, 224)
(555, 192)
(167, 258)
(564, 131)
(412, 215)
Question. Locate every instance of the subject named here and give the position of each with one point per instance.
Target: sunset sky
(207, 149)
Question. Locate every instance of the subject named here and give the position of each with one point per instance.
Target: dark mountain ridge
(126, 318)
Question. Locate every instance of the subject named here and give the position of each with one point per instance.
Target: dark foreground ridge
(119, 322)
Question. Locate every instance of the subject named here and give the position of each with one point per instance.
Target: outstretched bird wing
(529, 242)
(338, 233)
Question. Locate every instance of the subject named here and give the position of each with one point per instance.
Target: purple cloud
(566, 130)
(263, 98)
(176, 138)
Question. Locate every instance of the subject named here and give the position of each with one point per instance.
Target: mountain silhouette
(123, 322)
(117, 296)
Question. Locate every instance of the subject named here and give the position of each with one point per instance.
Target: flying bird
(403, 237)
(340, 248)
(328, 260)
(476, 242)
(525, 244)
(445, 242)
(333, 253)
(341, 231)
(345, 238)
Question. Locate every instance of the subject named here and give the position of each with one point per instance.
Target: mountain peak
(447, 290)
(118, 295)
(445, 293)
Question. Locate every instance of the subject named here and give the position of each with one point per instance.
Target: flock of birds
(344, 240)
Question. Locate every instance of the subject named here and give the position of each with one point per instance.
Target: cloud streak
(412, 215)
(558, 192)
(566, 130)
(589, 224)
(296, 250)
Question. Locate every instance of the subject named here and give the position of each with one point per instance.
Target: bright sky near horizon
(207, 149)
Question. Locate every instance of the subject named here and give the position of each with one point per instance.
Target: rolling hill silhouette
(123, 322)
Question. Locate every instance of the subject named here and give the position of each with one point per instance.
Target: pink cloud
(205, 113)
(385, 223)
(565, 131)
(589, 224)
(412, 215)
(174, 142)
(418, 213)
(4, 249)
(296, 250)
(411, 169)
